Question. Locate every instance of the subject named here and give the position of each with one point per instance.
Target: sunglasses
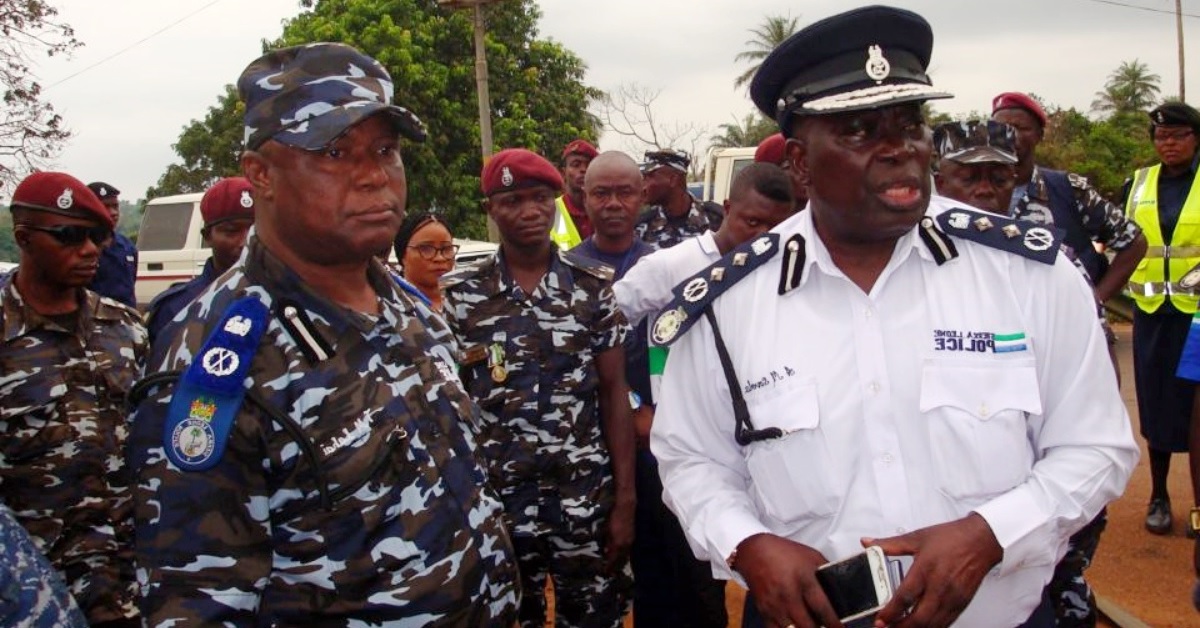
(428, 251)
(74, 235)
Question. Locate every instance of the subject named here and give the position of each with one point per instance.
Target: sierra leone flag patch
(1009, 343)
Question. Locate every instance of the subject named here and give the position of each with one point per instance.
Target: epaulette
(1039, 243)
(210, 392)
(590, 266)
(697, 292)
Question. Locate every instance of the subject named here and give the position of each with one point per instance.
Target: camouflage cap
(976, 142)
(308, 96)
(665, 158)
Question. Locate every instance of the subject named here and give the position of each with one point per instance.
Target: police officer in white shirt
(884, 369)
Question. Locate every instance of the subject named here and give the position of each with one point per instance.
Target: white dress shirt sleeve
(705, 480)
(1082, 444)
(644, 289)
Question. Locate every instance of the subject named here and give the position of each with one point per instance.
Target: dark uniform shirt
(31, 591)
(538, 386)
(657, 228)
(118, 271)
(169, 302)
(359, 503)
(64, 425)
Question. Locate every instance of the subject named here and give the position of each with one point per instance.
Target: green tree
(749, 131)
(538, 98)
(767, 37)
(1130, 88)
(31, 133)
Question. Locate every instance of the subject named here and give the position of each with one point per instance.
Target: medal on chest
(496, 363)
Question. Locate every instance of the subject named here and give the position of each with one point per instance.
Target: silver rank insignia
(220, 362)
(717, 274)
(246, 201)
(238, 325)
(959, 220)
(1038, 239)
(695, 290)
(877, 66)
(1011, 231)
(983, 223)
(761, 245)
(66, 199)
(668, 324)
(506, 177)
(739, 259)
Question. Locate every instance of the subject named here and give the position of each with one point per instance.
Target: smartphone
(858, 586)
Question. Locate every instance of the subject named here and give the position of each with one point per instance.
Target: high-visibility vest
(1157, 275)
(564, 233)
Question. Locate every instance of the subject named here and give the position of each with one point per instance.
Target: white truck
(170, 248)
(721, 166)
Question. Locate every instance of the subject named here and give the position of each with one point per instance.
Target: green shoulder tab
(1039, 243)
(700, 290)
(589, 266)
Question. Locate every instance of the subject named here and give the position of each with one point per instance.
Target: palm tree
(1130, 88)
(766, 38)
(749, 131)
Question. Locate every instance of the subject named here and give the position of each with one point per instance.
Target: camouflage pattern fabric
(64, 426)
(360, 503)
(656, 228)
(1104, 221)
(32, 593)
(540, 430)
(584, 597)
(1072, 597)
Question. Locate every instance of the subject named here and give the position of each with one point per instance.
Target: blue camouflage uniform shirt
(529, 362)
(31, 591)
(169, 302)
(359, 504)
(63, 429)
(118, 271)
(658, 229)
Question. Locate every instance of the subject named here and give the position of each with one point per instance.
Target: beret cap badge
(506, 177)
(66, 199)
(246, 201)
(877, 67)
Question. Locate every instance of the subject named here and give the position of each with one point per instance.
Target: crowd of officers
(299, 437)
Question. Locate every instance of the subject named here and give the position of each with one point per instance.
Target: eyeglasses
(1178, 136)
(74, 235)
(429, 251)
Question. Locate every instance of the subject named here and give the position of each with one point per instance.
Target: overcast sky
(127, 111)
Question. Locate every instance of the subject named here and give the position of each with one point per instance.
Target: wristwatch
(635, 401)
(1194, 520)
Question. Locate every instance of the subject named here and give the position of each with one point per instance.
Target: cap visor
(318, 132)
(981, 155)
(872, 97)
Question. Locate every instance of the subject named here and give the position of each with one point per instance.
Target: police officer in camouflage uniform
(673, 214)
(542, 357)
(67, 359)
(311, 465)
(227, 209)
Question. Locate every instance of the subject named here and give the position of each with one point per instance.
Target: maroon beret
(515, 168)
(1017, 100)
(580, 147)
(227, 199)
(771, 150)
(60, 193)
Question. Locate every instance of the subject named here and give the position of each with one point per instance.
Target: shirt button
(874, 388)
(868, 312)
(888, 459)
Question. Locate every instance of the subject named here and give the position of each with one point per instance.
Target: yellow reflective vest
(564, 233)
(1157, 276)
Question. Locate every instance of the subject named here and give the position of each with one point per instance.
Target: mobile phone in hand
(859, 586)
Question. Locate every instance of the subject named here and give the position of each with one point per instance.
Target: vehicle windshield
(164, 227)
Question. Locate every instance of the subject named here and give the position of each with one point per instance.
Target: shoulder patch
(209, 395)
(1039, 243)
(589, 266)
(701, 289)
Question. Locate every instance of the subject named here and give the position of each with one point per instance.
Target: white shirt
(897, 413)
(647, 287)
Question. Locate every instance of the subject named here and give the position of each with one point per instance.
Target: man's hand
(949, 563)
(620, 536)
(782, 576)
(643, 420)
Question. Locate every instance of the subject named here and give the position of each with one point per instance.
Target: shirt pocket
(978, 424)
(791, 475)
